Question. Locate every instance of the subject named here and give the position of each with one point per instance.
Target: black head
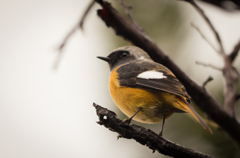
(125, 55)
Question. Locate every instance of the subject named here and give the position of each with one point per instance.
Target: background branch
(204, 37)
(127, 10)
(205, 102)
(220, 4)
(202, 13)
(234, 52)
(229, 78)
(230, 86)
(144, 136)
(209, 65)
(73, 30)
(207, 81)
(86, 13)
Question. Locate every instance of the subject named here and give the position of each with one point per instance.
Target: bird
(144, 90)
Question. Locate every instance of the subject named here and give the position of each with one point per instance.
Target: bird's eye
(124, 54)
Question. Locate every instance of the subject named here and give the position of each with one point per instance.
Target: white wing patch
(152, 74)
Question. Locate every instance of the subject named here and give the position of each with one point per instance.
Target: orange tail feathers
(189, 108)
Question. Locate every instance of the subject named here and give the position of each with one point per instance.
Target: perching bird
(144, 90)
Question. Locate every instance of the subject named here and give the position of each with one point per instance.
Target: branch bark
(205, 102)
(234, 52)
(230, 86)
(219, 3)
(207, 81)
(229, 78)
(209, 65)
(204, 16)
(144, 136)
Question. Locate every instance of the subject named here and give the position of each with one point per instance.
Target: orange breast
(154, 104)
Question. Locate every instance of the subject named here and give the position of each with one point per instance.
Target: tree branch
(220, 4)
(85, 14)
(229, 78)
(144, 136)
(209, 65)
(202, 13)
(78, 25)
(67, 37)
(127, 10)
(237, 97)
(234, 52)
(230, 86)
(207, 80)
(205, 102)
(204, 37)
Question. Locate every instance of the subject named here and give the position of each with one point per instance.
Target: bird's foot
(127, 121)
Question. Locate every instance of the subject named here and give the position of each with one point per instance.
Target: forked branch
(202, 13)
(228, 69)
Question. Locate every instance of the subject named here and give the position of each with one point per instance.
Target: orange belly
(155, 104)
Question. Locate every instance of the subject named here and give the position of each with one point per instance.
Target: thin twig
(230, 85)
(144, 136)
(234, 52)
(127, 10)
(62, 45)
(207, 81)
(73, 30)
(202, 13)
(209, 65)
(229, 78)
(204, 37)
(57, 60)
(221, 4)
(237, 73)
(90, 6)
(237, 97)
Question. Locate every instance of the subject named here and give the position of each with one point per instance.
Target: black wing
(128, 76)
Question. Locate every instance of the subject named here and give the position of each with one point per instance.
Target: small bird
(144, 90)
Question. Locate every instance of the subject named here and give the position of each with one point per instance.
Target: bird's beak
(107, 59)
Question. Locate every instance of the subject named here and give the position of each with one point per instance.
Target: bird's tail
(185, 106)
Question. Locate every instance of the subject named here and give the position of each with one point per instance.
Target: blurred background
(47, 113)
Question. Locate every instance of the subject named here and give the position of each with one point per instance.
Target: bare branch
(230, 86)
(209, 65)
(229, 78)
(144, 136)
(57, 60)
(62, 46)
(202, 13)
(237, 73)
(207, 80)
(127, 10)
(86, 13)
(73, 30)
(237, 97)
(235, 51)
(220, 4)
(204, 37)
(203, 99)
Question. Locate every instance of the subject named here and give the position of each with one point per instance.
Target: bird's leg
(127, 121)
(161, 133)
